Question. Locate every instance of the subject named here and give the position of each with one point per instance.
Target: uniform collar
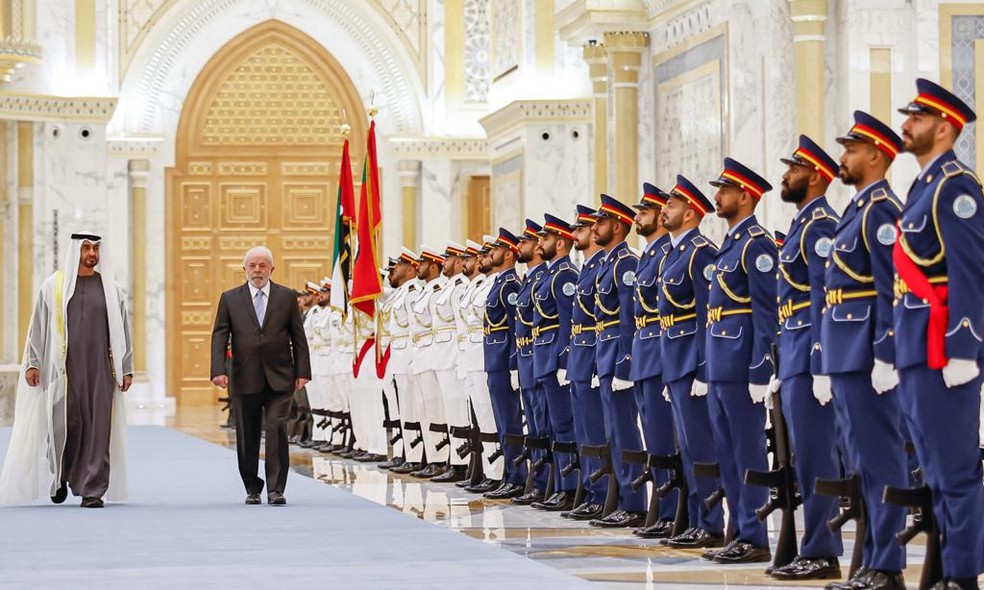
(436, 281)
(597, 254)
(674, 242)
(863, 192)
(936, 162)
(658, 242)
(741, 225)
(807, 211)
(617, 249)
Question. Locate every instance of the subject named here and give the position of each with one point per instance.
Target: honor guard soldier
(938, 325)
(858, 346)
(685, 273)
(806, 393)
(401, 356)
(320, 363)
(534, 407)
(444, 306)
(391, 415)
(589, 430)
(615, 316)
(500, 360)
(471, 367)
(743, 323)
(656, 416)
(426, 362)
(553, 300)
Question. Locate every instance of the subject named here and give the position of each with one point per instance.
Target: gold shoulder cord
(724, 286)
(936, 225)
(536, 305)
(505, 316)
(601, 306)
(856, 276)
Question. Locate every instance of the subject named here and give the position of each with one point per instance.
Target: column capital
(626, 41)
(138, 171)
(809, 20)
(625, 56)
(409, 172)
(594, 53)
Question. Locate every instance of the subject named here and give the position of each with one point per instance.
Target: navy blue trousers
(878, 455)
(589, 429)
(656, 417)
(813, 438)
(693, 428)
(560, 414)
(622, 428)
(739, 439)
(944, 424)
(537, 426)
(508, 420)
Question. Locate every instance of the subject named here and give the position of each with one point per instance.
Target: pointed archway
(258, 147)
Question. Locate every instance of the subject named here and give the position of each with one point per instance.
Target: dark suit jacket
(274, 354)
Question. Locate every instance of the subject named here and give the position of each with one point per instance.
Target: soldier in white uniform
(408, 288)
(426, 362)
(471, 367)
(444, 307)
(366, 395)
(341, 344)
(318, 345)
(391, 419)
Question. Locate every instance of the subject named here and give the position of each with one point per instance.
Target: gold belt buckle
(714, 314)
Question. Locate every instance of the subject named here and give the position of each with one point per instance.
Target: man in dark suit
(262, 323)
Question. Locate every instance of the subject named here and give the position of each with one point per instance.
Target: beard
(646, 230)
(918, 145)
(793, 194)
(847, 178)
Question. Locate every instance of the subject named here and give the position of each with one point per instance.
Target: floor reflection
(613, 559)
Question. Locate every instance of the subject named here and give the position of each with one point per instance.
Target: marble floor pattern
(611, 559)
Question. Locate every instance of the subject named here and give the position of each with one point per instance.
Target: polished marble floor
(614, 560)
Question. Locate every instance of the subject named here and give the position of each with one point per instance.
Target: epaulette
(820, 213)
(952, 168)
(565, 266)
(666, 248)
(412, 287)
(878, 195)
(627, 253)
(510, 277)
(756, 231)
(437, 288)
(699, 241)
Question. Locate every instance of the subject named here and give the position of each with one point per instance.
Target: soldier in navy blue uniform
(656, 416)
(534, 406)
(743, 322)
(857, 344)
(553, 299)
(589, 429)
(939, 324)
(806, 398)
(684, 276)
(500, 359)
(615, 316)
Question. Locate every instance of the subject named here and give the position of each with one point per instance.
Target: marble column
(25, 226)
(624, 50)
(138, 171)
(809, 41)
(409, 180)
(594, 55)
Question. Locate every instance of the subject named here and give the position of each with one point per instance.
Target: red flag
(366, 283)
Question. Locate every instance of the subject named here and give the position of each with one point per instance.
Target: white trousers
(433, 413)
(456, 410)
(411, 410)
(317, 391)
(393, 407)
(340, 385)
(477, 385)
(366, 403)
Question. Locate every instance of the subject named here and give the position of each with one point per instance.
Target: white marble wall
(10, 349)
(557, 172)
(438, 178)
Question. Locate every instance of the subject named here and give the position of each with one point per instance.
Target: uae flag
(344, 216)
(366, 283)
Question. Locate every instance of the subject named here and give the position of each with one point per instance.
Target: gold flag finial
(372, 103)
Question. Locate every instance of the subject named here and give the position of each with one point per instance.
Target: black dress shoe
(276, 499)
(661, 529)
(956, 584)
(453, 474)
(252, 499)
(619, 519)
(90, 502)
(306, 444)
(61, 494)
(484, 486)
(743, 552)
(682, 540)
(882, 580)
(347, 453)
(429, 471)
(558, 502)
(808, 568)
(505, 491)
(586, 511)
(527, 499)
(406, 468)
(696, 539)
(370, 458)
(860, 577)
(394, 462)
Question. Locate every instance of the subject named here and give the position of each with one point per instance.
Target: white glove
(884, 377)
(757, 393)
(821, 389)
(774, 384)
(621, 384)
(666, 393)
(562, 377)
(960, 371)
(700, 389)
(595, 383)
(514, 379)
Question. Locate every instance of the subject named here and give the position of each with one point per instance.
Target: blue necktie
(259, 304)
